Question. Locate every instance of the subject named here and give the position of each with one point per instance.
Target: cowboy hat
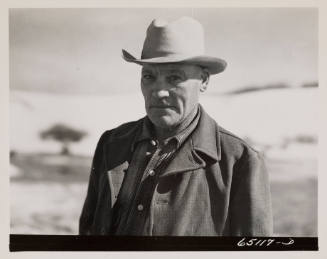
(179, 41)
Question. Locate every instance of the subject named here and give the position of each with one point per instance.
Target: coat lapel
(184, 160)
(115, 178)
(118, 153)
(201, 148)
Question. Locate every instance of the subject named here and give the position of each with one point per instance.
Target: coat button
(140, 207)
(153, 143)
(151, 172)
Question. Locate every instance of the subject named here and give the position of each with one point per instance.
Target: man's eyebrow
(146, 70)
(170, 71)
(177, 71)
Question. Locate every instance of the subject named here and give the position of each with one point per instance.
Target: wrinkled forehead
(171, 68)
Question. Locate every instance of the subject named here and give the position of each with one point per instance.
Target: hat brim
(214, 65)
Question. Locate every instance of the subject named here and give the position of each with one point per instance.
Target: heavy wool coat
(216, 185)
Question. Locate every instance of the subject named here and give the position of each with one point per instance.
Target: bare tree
(64, 134)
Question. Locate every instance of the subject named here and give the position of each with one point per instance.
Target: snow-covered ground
(51, 208)
(266, 117)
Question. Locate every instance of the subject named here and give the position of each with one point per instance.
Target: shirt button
(151, 173)
(153, 143)
(140, 207)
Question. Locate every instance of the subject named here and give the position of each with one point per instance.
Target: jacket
(216, 185)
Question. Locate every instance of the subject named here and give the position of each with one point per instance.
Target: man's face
(171, 92)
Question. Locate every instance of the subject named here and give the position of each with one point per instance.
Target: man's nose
(160, 93)
(160, 90)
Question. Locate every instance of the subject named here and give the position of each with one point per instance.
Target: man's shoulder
(125, 130)
(229, 144)
(232, 143)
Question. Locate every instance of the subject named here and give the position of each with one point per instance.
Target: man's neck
(163, 134)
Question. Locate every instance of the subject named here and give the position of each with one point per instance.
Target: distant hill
(250, 89)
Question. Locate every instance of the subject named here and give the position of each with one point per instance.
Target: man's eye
(147, 77)
(174, 78)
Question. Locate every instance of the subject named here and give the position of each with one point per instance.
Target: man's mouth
(161, 106)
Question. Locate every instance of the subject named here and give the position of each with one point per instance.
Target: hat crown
(184, 36)
(179, 41)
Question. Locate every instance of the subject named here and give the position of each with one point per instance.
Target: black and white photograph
(164, 122)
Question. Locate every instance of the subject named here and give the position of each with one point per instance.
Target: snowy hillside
(265, 117)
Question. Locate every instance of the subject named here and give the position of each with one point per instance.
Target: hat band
(164, 54)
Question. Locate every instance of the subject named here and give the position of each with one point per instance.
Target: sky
(78, 51)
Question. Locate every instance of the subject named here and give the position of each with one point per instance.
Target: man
(176, 172)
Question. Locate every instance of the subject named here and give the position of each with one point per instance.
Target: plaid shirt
(149, 160)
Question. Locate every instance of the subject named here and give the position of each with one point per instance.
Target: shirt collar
(147, 131)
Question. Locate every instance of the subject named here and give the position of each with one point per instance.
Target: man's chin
(164, 122)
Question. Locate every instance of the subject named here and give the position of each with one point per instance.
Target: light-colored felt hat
(179, 41)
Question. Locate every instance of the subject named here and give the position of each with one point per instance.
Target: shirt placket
(138, 218)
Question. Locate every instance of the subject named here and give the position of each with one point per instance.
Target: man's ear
(205, 76)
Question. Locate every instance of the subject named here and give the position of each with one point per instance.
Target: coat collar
(206, 138)
(201, 148)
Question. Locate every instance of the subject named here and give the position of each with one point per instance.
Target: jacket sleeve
(90, 204)
(251, 210)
